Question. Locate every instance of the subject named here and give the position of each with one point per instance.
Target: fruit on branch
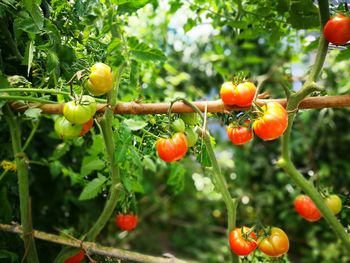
(306, 208)
(189, 118)
(241, 95)
(66, 129)
(77, 258)
(100, 79)
(240, 135)
(242, 241)
(172, 149)
(80, 112)
(275, 244)
(86, 127)
(337, 30)
(334, 203)
(178, 125)
(271, 122)
(126, 222)
(191, 136)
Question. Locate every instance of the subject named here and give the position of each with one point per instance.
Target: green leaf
(343, 55)
(134, 74)
(177, 177)
(35, 12)
(5, 208)
(90, 164)
(60, 150)
(130, 6)
(28, 55)
(149, 164)
(303, 14)
(135, 125)
(124, 139)
(189, 24)
(9, 256)
(55, 168)
(142, 52)
(93, 188)
(203, 157)
(33, 113)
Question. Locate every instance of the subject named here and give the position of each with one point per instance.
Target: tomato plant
(306, 208)
(66, 129)
(77, 258)
(334, 203)
(337, 29)
(191, 136)
(272, 122)
(80, 112)
(172, 149)
(86, 127)
(189, 118)
(275, 244)
(178, 125)
(100, 79)
(126, 222)
(241, 95)
(242, 242)
(239, 134)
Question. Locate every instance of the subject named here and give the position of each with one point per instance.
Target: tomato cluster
(273, 242)
(337, 30)
(126, 222)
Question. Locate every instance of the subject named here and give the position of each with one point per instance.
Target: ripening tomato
(190, 118)
(66, 129)
(80, 112)
(337, 29)
(241, 95)
(240, 244)
(276, 244)
(86, 127)
(178, 125)
(191, 136)
(126, 222)
(334, 203)
(306, 208)
(240, 135)
(272, 123)
(172, 149)
(77, 258)
(100, 79)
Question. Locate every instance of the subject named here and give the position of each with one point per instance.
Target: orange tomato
(239, 135)
(241, 95)
(172, 149)
(276, 244)
(241, 245)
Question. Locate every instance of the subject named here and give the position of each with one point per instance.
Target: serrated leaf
(93, 188)
(149, 164)
(33, 113)
(60, 150)
(141, 51)
(135, 125)
(90, 164)
(203, 157)
(177, 177)
(35, 12)
(134, 74)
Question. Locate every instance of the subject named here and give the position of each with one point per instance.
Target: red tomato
(272, 123)
(276, 244)
(241, 95)
(77, 258)
(240, 135)
(86, 127)
(337, 30)
(172, 149)
(126, 222)
(306, 208)
(240, 244)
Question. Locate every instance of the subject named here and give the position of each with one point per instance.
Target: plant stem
(31, 135)
(25, 98)
(285, 162)
(50, 91)
(23, 186)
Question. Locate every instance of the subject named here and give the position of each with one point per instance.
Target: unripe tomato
(240, 244)
(240, 135)
(191, 136)
(178, 125)
(77, 258)
(100, 79)
(306, 208)
(126, 222)
(80, 113)
(272, 123)
(337, 30)
(241, 95)
(276, 244)
(334, 203)
(189, 118)
(86, 127)
(66, 129)
(172, 149)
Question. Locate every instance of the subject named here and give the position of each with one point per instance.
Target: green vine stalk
(294, 100)
(23, 186)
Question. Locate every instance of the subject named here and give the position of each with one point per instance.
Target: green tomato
(178, 125)
(192, 137)
(80, 113)
(333, 202)
(189, 118)
(67, 130)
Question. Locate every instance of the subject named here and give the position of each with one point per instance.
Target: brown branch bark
(340, 101)
(93, 248)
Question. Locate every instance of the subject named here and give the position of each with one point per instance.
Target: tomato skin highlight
(66, 129)
(334, 203)
(80, 113)
(272, 123)
(276, 244)
(77, 258)
(337, 30)
(86, 127)
(100, 79)
(241, 95)
(172, 149)
(240, 135)
(239, 245)
(126, 222)
(306, 208)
